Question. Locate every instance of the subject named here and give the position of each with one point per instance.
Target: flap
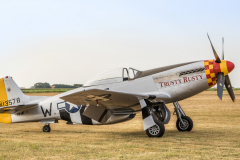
(97, 113)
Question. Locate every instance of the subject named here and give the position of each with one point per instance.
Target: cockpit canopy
(113, 76)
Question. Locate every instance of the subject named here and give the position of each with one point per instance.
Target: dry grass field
(215, 135)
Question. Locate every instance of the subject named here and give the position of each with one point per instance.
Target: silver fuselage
(179, 83)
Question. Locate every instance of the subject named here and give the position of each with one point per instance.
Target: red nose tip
(230, 66)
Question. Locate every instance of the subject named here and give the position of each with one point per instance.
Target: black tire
(46, 128)
(156, 131)
(189, 124)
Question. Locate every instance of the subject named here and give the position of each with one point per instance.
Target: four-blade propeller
(221, 79)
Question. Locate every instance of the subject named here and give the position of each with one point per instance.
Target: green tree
(67, 86)
(42, 85)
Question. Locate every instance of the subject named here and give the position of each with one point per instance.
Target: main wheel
(156, 131)
(46, 128)
(187, 126)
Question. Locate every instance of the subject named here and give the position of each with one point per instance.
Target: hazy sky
(70, 41)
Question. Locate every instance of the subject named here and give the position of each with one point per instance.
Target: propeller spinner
(222, 68)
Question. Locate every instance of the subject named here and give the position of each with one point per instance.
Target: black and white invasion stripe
(147, 117)
(77, 117)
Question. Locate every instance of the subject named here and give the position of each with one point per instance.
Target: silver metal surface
(118, 118)
(48, 121)
(180, 109)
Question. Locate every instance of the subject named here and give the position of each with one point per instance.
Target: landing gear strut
(46, 128)
(184, 123)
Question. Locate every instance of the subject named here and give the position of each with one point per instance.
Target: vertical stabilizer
(10, 93)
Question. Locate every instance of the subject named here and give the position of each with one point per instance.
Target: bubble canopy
(110, 76)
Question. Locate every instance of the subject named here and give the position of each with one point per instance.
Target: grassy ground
(215, 89)
(216, 135)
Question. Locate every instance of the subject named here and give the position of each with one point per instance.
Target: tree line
(47, 85)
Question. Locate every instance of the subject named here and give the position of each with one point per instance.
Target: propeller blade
(222, 48)
(220, 82)
(228, 86)
(214, 52)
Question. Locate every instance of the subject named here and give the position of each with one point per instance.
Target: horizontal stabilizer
(17, 109)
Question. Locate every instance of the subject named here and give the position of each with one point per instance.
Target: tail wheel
(157, 130)
(187, 126)
(46, 128)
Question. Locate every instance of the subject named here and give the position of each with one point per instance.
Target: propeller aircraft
(119, 94)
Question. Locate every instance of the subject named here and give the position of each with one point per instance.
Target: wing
(16, 109)
(101, 103)
(110, 99)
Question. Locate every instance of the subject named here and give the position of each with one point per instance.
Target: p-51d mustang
(115, 96)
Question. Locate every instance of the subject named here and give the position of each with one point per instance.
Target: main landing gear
(46, 128)
(184, 123)
(155, 115)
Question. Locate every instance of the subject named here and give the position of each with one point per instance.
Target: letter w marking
(49, 112)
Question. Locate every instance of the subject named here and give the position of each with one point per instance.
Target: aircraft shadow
(141, 134)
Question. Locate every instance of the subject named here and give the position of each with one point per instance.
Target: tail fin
(10, 93)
